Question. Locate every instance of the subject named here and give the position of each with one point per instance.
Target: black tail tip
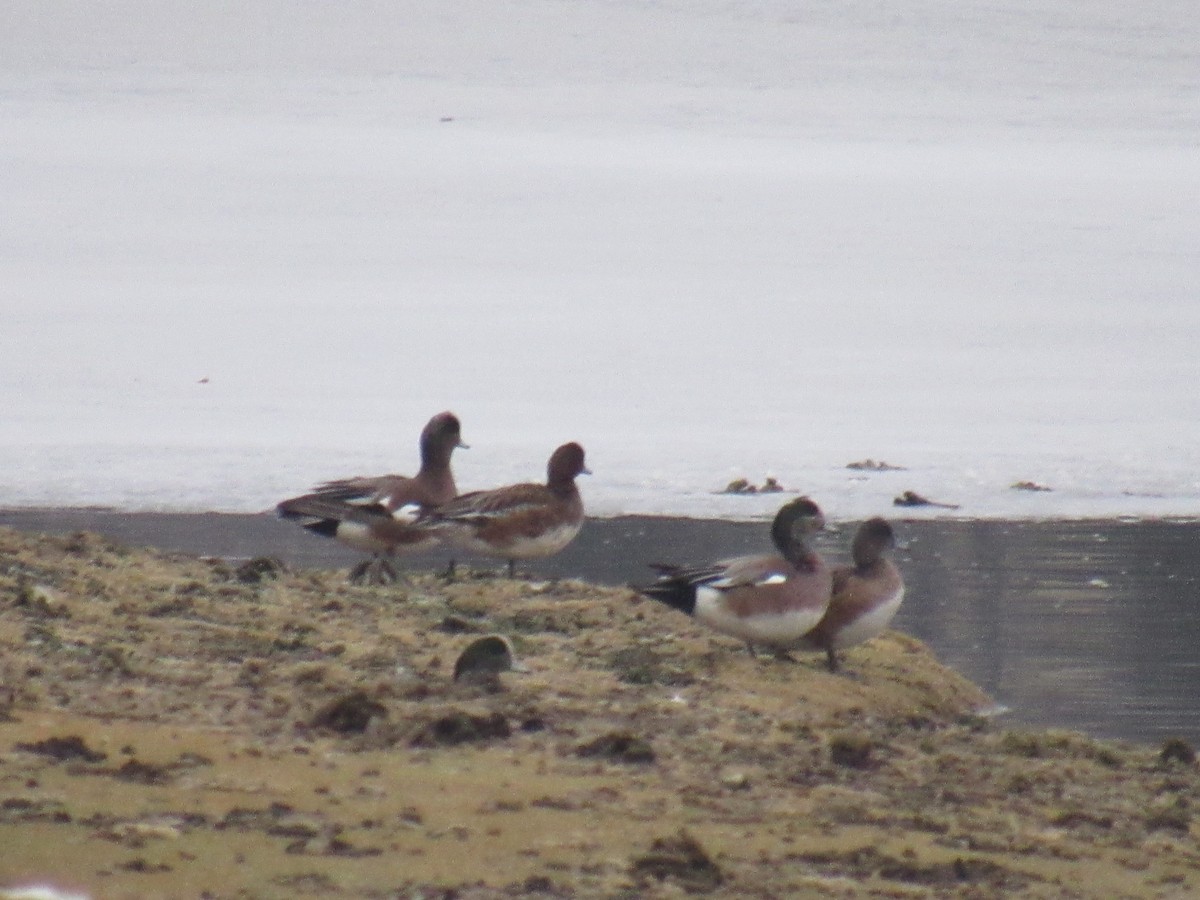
(324, 527)
(677, 596)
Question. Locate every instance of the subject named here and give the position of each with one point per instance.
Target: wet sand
(1077, 624)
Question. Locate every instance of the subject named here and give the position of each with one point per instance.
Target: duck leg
(831, 660)
(374, 571)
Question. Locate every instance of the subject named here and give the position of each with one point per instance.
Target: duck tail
(324, 527)
(673, 588)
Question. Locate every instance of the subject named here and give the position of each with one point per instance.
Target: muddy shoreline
(610, 551)
(194, 727)
(1082, 624)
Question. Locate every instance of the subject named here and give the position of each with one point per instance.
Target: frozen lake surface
(247, 249)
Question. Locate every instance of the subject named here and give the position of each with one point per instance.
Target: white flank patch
(871, 625)
(360, 537)
(776, 629)
(726, 583)
(546, 544)
(407, 514)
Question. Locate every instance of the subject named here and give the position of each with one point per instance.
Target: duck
(519, 521)
(767, 600)
(866, 595)
(525, 521)
(377, 514)
(485, 658)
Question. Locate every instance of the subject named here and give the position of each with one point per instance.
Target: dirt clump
(350, 714)
(619, 747)
(455, 727)
(62, 748)
(680, 859)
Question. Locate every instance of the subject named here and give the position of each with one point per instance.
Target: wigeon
(376, 514)
(866, 595)
(771, 599)
(520, 521)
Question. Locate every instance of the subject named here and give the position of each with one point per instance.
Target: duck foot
(374, 571)
(757, 651)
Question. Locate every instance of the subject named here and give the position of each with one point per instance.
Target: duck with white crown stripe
(768, 600)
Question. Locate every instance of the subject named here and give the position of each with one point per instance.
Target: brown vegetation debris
(277, 819)
(740, 486)
(261, 568)
(1177, 750)
(329, 845)
(349, 714)
(1170, 814)
(618, 747)
(23, 809)
(744, 486)
(872, 465)
(143, 866)
(680, 859)
(1031, 486)
(63, 749)
(961, 871)
(851, 749)
(912, 498)
(645, 665)
(142, 773)
(456, 624)
(459, 727)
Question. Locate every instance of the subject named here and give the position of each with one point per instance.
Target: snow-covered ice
(247, 247)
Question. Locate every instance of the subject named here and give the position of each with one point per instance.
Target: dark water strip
(1089, 625)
